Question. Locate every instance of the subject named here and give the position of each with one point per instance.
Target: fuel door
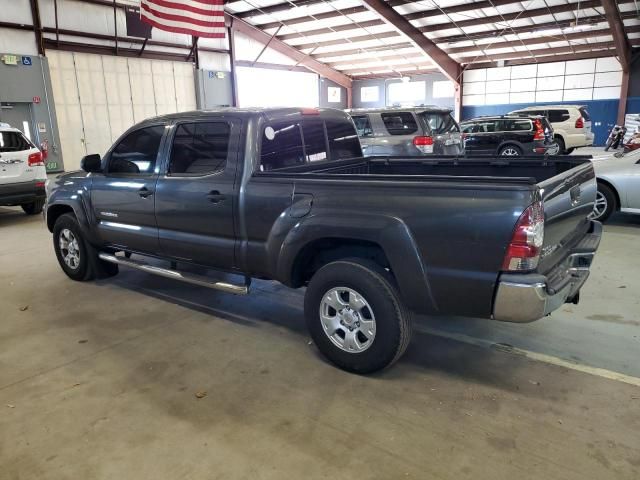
(301, 205)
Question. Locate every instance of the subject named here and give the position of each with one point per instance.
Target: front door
(123, 197)
(196, 197)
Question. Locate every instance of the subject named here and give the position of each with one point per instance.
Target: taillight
(539, 130)
(580, 122)
(35, 160)
(423, 143)
(523, 251)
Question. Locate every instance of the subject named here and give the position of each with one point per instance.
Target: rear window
(399, 123)
(585, 114)
(363, 125)
(440, 122)
(14, 142)
(557, 116)
(343, 141)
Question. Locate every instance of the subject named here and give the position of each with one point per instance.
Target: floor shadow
(14, 216)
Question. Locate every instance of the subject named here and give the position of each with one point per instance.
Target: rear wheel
(356, 317)
(33, 208)
(569, 151)
(605, 203)
(561, 146)
(510, 151)
(77, 258)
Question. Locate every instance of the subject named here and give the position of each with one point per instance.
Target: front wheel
(510, 151)
(355, 316)
(605, 203)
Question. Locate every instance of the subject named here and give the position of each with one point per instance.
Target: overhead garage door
(98, 97)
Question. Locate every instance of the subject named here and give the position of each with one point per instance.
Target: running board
(175, 275)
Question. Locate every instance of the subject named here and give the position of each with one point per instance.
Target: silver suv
(407, 131)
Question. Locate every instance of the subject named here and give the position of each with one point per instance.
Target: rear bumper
(23, 192)
(527, 297)
(575, 140)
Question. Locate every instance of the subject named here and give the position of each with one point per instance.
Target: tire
(33, 208)
(510, 151)
(569, 151)
(605, 205)
(363, 291)
(561, 146)
(80, 262)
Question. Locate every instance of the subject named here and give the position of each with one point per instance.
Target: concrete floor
(99, 381)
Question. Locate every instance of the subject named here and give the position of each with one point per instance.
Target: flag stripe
(169, 7)
(201, 18)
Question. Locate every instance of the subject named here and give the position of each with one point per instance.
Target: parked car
(284, 194)
(22, 171)
(618, 185)
(510, 136)
(571, 124)
(407, 131)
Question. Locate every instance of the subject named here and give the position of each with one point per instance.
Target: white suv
(22, 171)
(571, 124)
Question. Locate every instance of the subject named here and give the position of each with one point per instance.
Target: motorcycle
(632, 144)
(616, 137)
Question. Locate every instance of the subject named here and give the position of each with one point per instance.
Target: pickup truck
(286, 195)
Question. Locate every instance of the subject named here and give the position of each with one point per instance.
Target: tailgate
(568, 200)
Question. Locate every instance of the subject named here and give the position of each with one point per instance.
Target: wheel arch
(56, 211)
(608, 183)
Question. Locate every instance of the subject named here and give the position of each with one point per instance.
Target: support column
(624, 92)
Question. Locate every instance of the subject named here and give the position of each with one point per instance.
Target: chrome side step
(175, 275)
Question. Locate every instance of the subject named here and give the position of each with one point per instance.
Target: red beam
(617, 30)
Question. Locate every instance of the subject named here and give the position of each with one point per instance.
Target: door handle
(144, 192)
(215, 196)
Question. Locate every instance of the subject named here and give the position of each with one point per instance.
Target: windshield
(440, 122)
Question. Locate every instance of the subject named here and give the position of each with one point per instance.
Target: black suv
(508, 135)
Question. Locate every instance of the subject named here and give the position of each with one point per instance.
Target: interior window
(343, 141)
(399, 123)
(556, 116)
(14, 142)
(315, 142)
(440, 122)
(363, 125)
(281, 146)
(199, 148)
(137, 152)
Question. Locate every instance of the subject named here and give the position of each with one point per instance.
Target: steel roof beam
(540, 51)
(617, 30)
(240, 26)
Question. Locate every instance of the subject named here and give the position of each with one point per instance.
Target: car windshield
(440, 122)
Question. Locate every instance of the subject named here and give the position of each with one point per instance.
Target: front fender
(390, 233)
(71, 192)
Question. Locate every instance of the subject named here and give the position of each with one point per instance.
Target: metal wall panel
(116, 79)
(164, 87)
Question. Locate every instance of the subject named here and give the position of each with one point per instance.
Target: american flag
(200, 18)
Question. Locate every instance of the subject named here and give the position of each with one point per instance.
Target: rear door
(15, 149)
(196, 197)
(483, 138)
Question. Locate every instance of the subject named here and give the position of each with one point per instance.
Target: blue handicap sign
(27, 61)
(211, 74)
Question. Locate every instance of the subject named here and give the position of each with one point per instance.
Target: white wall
(589, 79)
(260, 87)
(98, 97)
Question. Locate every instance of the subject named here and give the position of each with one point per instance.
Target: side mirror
(91, 163)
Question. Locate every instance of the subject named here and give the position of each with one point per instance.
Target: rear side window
(14, 142)
(557, 116)
(440, 122)
(399, 123)
(585, 114)
(363, 125)
(281, 146)
(343, 141)
(199, 148)
(515, 125)
(137, 153)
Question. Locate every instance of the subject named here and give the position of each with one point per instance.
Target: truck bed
(529, 170)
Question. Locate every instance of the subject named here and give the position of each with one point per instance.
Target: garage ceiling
(358, 42)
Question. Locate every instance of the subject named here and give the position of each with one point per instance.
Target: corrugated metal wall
(98, 97)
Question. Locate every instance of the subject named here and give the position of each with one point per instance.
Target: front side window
(343, 140)
(137, 153)
(484, 126)
(199, 148)
(399, 123)
(363, 125)
(440, 122)
(281, 146)
(14, 142)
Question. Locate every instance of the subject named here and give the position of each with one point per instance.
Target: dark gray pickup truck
(285, 194)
